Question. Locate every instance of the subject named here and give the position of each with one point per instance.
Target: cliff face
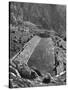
(47, 16)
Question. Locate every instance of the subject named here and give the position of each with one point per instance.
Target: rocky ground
(24, 26)
(28, 77)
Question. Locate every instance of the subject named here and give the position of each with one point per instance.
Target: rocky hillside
(26, 21)
(28, 16)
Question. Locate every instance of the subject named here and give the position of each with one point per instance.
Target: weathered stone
(43, 56)
(24, 55)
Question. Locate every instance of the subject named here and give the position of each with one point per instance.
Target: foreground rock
(43, 56)
(26, 79)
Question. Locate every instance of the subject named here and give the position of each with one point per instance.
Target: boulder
(43, 56)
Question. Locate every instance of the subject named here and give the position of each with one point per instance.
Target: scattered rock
(37, 71)
(46, 79)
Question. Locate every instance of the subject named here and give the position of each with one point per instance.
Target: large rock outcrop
(43, 56)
